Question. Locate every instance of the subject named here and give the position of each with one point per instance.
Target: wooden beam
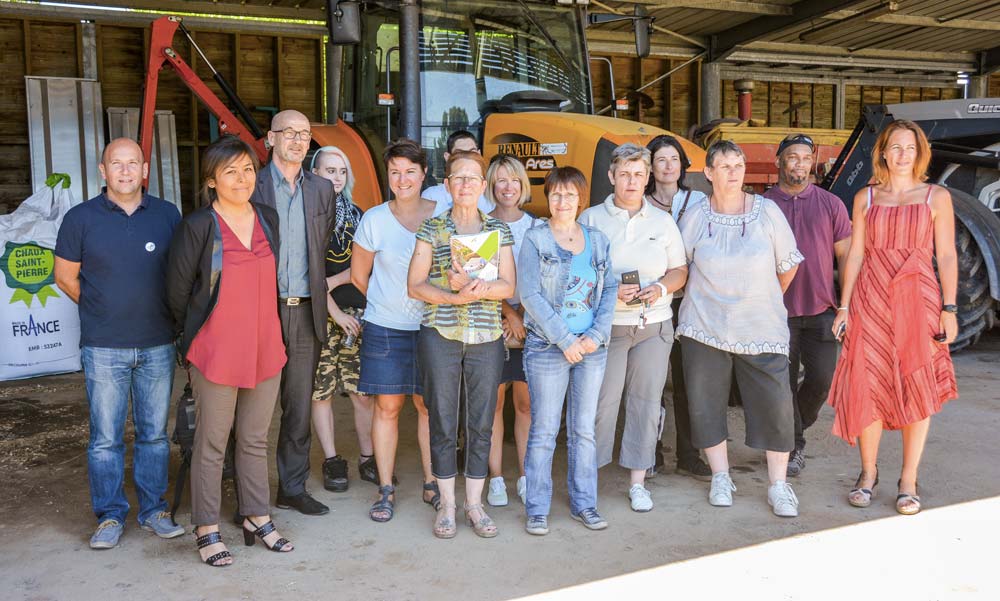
(242, 9)
(989, 61)
(26, 32)
(730, 6)
(689, 39)
(726, 41)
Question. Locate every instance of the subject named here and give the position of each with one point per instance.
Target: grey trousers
(637, 365)
(303, 350)
(216, 407)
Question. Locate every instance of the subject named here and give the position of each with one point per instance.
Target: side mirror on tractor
(642, 25)
(343, 20)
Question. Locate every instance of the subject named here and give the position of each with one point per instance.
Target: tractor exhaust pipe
(744, 98)
(409, 66)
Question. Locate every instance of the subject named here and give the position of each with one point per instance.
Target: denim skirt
(389, 361)
(513, 366)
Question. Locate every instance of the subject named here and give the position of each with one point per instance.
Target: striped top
(471, 323)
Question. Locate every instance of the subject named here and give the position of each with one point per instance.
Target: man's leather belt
(293, 301)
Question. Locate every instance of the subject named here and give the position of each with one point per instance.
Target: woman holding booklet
(462, 268)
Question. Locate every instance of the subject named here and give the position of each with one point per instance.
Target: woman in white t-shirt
(666, 190)
(383, 245)
(508, 187)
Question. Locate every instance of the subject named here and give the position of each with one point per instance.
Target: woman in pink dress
(895, 370)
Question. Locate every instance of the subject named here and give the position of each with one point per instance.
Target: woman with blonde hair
(895, 318)
(340, 361)
(508, 187)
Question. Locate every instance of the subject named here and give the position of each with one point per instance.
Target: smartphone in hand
(839, 335)
(632, 277)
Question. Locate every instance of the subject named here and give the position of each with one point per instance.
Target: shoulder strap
(869, 197)
(684, 206)
(930, 190)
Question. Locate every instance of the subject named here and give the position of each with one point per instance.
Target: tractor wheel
(976, 308)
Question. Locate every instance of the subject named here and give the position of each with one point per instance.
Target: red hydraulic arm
(162, 55)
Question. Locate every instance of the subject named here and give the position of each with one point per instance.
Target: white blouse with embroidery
(733, 300)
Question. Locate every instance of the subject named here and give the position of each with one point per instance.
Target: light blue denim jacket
(543, 273)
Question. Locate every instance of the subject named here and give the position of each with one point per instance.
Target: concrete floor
(684, 547)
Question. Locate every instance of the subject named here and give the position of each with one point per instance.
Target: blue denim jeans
(550, 376)
(113, 375)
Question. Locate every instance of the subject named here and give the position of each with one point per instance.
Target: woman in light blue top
(568, 293)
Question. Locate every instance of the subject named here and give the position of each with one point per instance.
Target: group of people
(581, 310)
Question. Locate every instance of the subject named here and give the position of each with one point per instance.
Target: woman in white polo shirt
(645, 246)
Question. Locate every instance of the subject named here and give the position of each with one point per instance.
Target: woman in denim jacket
(568, 293)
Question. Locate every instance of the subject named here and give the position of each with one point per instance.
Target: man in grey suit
(306, 211)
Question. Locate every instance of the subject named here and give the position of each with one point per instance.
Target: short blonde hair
(349, 185)
(628, 152)
(880, 170)
(515, 168)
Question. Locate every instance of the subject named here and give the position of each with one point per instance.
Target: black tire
(976, 308)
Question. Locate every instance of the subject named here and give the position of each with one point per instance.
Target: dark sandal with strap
(262, 531)
(213, 538)
(862, 497)
(908, 504)
(383, 505)
(435, 501)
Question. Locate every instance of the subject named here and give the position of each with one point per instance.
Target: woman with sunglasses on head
(895, 318)
(339, 362)
(666, 190)
(461, 337)
(508, 187)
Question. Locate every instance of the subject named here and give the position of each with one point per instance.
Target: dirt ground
(684, 547)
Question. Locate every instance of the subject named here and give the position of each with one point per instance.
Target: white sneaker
(522, 489)
(497, 497)
(641, 500)
(782, 500)
(721, 493)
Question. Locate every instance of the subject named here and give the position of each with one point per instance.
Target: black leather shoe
(335, 474)
(303, 503)
(695, 468)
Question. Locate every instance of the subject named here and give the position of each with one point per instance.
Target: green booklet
(478, 254)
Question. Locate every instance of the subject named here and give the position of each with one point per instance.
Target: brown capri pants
(216, 407)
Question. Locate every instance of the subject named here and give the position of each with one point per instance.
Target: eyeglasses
(464, 180)
(290, 134)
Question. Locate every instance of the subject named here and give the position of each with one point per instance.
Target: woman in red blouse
(222, 288)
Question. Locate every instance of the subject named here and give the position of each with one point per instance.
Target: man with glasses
(306, 211)
(822, 231)
(460, 140)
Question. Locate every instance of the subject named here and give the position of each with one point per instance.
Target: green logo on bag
(27, 269)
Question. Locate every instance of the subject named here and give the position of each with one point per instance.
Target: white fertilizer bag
(39, 324)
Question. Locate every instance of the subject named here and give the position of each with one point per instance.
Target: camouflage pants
(339, 367)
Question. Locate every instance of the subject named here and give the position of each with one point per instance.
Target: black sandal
(262, 531)
(210, 539)
(435, 501)
(383, 505)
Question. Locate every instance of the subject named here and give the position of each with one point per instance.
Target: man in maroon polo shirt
(822, 231)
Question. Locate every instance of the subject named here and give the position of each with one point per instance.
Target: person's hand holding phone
(840, 325)
(628, 291)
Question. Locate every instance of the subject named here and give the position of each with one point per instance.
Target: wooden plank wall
(771, 102)
(681, 88)
(266, 71)
(994, 86)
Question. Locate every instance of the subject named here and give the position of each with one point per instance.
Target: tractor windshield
(472, 54)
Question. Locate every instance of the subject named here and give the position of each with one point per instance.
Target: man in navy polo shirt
(822, 231)
(111, 258)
